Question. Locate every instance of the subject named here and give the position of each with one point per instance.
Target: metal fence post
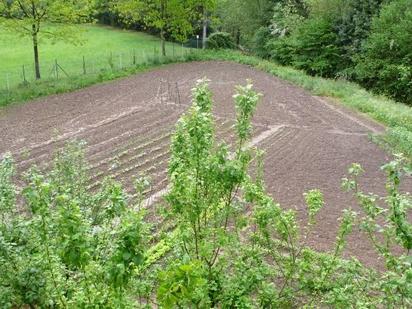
(56, 69)
(84, 66)
(24, 75)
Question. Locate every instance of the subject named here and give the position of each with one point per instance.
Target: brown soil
(309, 141)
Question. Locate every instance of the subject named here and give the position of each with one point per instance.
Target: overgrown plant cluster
(62, 246)
(224, 242)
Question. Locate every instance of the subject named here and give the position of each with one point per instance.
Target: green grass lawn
(102, 48)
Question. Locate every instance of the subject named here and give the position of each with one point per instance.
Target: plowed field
(127, 124)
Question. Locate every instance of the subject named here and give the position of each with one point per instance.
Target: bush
(312, 47)
(220, 40)
(324, 42)
(353, 24)
(260, 42)
(282, 50)
(64, 246)
(385, 65)
(316, 49)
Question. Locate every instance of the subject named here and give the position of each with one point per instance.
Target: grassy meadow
(102, 47)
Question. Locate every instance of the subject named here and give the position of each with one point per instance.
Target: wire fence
(77, 65)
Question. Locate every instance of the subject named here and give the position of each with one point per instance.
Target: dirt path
(309, 141)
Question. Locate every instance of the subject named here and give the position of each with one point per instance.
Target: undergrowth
(227, 244)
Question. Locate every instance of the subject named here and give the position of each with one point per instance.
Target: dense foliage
(368, 41)
(385, 64)
(219, 40)
(61, 246)
(224, 243)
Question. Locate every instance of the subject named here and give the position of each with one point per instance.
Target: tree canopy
(171, 17)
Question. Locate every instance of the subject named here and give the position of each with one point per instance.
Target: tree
(105, 13)
(166, 16)
(243, 18)
(27, 18)
(350, 20)
(205, 8)
(385, 63)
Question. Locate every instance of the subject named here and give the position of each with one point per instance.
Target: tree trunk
(162, 37)
(204, 36)
(163, 9)
(36, 53)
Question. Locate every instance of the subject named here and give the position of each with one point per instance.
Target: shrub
(385, 65)
(312, 47)
(260, 42)
(324, 42)
(220, 40)
(282, 50)
(353, 25)
(64, 246)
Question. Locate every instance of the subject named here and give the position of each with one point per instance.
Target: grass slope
(102, 48)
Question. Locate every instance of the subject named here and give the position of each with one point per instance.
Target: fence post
(24, 75)
(173, 44)
(111, 64)
(56, 69)
(134, 57)
(84, 66)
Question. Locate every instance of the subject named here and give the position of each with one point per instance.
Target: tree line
(366, 41)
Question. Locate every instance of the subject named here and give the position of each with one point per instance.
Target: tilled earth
(309, 142)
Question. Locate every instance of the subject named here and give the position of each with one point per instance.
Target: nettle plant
(385, 221)
(62, 246)
(205, 178)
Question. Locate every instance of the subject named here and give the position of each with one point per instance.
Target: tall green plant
(67, 247)
(205, 178)
(388, 227)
